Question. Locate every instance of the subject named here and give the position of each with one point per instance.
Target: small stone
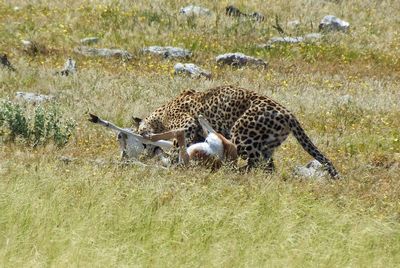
(331, 23)
(239, 59)
(233, 11)
(33, 48)
(192, 10)
(33, 97)
(168, 52)
(191, 69)
(26, 43)
(103, 52)
(6, 63)
(89, 40)
(282, 40)
(313, 169)
(257, 16)
(69, 68)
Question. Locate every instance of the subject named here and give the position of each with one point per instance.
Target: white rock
(332, 23)
(103, 52)
(192, 10)
(191, 69)
(313, 170)
(89, 40)
(282, 40)
(33, 97)
(26, 43)
(69, 67)
(312, 36)
(239, 59)
(168, 52)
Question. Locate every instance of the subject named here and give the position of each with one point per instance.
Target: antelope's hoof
(93, 118)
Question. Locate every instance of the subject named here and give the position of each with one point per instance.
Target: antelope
(214, 150)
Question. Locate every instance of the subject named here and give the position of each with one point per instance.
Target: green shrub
(45, 126)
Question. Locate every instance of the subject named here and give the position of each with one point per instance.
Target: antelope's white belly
(212, 146)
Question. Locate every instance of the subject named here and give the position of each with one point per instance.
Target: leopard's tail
(309, 146)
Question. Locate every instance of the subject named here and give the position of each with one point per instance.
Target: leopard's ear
(136, 122)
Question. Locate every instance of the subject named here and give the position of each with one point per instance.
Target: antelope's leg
(179, 135)
(160, 143)
(230, 149)
(168, 135)
(205, 125)
(183, 154)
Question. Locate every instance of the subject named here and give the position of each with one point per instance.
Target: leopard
(255, 123)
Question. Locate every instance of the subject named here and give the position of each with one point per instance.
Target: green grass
(96, 212)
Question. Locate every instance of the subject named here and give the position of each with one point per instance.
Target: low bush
(44, 126)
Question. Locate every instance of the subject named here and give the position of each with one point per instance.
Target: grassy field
(95, 212)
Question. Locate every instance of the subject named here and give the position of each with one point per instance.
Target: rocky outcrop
(331, 23)
(168, 52)
(192, 10)
(191, 69)
(33, 97)
(89, 40)
(239, 59)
